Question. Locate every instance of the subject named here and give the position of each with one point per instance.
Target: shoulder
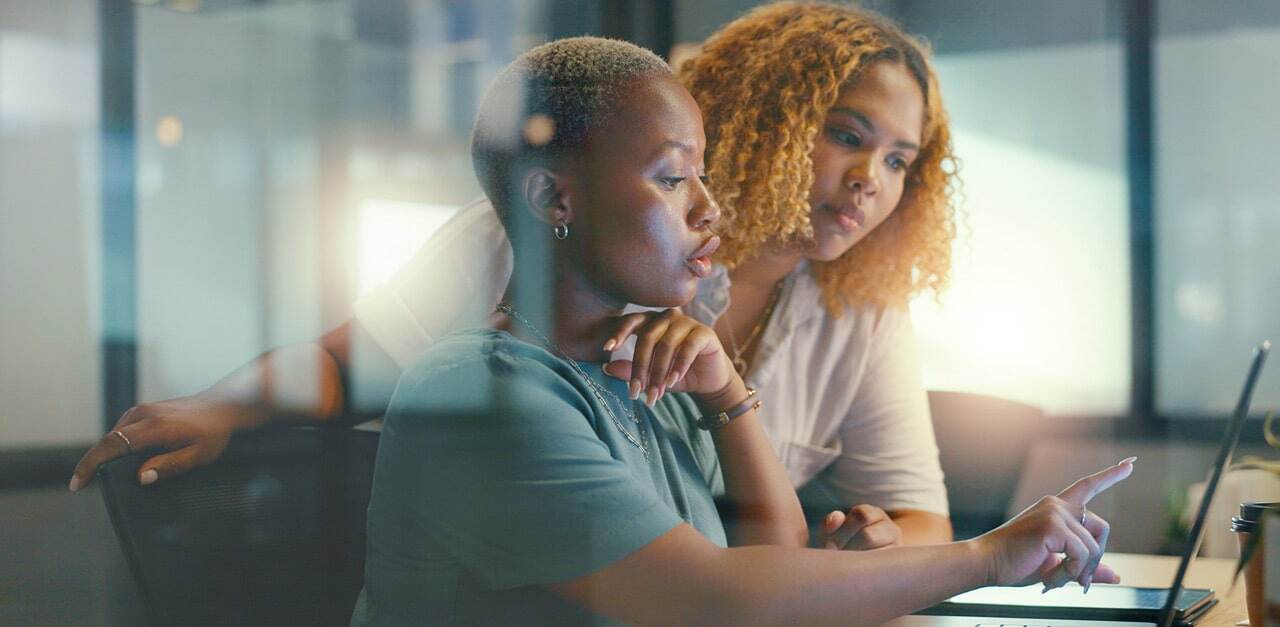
(450, 283)
(475, 368)
(478, 221)
(483, 350)
(865, 319)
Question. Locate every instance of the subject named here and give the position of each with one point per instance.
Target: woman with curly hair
(560, 502)
(828, 150)
(829, 153)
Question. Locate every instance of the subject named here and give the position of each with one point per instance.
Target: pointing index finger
(1084, 489)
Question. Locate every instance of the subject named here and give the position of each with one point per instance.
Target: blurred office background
(186, 183)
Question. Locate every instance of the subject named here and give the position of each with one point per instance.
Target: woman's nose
(705, 210)
(862, 178)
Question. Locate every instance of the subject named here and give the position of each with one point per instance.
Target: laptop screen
(1228, 446)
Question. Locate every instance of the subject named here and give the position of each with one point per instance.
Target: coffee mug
(1247, 525)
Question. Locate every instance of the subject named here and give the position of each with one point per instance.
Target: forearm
(773, 585)
(922, 528)
(681, 578)
(765, 507)
(311, 381)
(301, 380)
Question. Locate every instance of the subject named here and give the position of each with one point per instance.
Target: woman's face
(641, 213)
(861, 156)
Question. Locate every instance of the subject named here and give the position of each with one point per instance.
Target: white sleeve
(889, 457)
(453, 282)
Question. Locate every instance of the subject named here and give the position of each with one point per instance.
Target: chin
(676, 293)
(828, 250)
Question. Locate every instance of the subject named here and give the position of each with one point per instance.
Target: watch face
(714, 422)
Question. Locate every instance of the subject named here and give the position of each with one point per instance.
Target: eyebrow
(682, 147)
(854, 113)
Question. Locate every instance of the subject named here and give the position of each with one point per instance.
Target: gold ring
(127, 443)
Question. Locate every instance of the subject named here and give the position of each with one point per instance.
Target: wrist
(733, 392)
(234, 414)
(981, 557)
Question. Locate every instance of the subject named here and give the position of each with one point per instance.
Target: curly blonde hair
(765, 83)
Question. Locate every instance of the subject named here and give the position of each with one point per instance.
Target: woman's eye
(671, 182)
(845, 137)
(898, 163)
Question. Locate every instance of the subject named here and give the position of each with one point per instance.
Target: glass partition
(293, 155)
(1217, 219)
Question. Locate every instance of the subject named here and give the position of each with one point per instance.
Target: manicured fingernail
(830, 518)
(651, 396)
(1057, 579)
(75, 483)
(830, 545)
(1129, 460)
(672, 378)
(633, 389)
(610, 344)
(1087, 583)
(148, 477)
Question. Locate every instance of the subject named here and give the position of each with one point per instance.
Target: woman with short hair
(520, 479)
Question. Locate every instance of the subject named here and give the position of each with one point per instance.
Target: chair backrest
(983, 443)
(272, 533)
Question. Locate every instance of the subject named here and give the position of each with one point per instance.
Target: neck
(763, 271)
(580, 320)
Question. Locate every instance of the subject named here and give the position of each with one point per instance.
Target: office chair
(272, 533)
(983, 443)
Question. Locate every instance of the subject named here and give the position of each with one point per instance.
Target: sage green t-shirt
(500, 469)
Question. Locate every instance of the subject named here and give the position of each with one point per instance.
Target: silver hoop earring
(561, 231)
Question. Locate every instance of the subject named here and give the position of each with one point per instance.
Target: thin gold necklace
(739, 354)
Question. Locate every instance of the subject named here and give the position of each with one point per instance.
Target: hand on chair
(188, 431)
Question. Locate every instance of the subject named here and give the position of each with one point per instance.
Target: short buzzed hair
(545, 104)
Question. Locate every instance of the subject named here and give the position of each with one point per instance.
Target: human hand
(863, 528)
(192, 430)
(1030, 547)
(673, 353)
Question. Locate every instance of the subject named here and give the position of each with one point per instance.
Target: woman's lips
(699, 263)
(699, 266)
(849, 218)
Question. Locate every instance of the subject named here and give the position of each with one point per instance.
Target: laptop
(1106, 605)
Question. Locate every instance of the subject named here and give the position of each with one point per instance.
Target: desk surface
(1156, 571)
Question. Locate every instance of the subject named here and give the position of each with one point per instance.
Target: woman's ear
(544, 195)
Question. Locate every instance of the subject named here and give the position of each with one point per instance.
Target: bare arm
(301, 382)
(765, 507)
(922, 528)
(682, 578)
(677, 353)
(304, 381)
